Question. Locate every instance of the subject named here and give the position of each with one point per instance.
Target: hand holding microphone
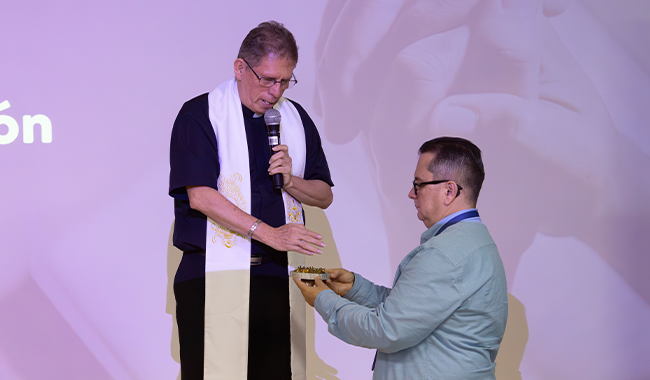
(272, 120)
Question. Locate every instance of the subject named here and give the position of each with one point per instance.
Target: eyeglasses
(270, 82)
(419, 184)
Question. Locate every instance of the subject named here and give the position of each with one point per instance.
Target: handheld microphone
(272, 120)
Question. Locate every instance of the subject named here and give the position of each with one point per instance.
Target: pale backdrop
(555, 92)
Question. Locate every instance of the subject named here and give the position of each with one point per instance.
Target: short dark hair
(456, 159)
(270, 37)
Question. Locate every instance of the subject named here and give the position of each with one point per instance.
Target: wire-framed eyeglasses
(420, 184)
(270, 82)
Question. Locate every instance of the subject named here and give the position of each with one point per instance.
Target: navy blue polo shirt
(194, 161)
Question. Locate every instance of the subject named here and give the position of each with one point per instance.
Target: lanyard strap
(456, 219)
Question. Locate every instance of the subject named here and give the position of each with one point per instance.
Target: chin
(262, 110)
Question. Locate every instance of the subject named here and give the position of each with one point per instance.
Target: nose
(276, 90)
(412, 193)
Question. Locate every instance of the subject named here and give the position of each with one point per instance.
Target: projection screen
(552, 91)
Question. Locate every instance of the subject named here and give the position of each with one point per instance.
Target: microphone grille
(272, 117)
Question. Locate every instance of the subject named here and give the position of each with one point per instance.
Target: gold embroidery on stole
(229, 188)
(293, 209)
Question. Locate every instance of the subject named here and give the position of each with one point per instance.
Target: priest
(238, 317)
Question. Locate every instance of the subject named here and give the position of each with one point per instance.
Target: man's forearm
(218, 208)
(288, 237)
(221, 210)
(310, 192)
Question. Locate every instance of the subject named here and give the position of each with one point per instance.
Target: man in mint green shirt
(446, 313)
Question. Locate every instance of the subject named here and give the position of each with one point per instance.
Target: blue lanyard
(456, 219)
(451, 222)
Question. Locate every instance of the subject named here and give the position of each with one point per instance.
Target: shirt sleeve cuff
(325, 303)
(358, 285)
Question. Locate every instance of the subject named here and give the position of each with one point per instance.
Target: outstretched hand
(341, 280)
(291, 237)
(310, 292)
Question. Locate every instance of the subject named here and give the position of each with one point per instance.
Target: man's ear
(451, 192)
(240, 66)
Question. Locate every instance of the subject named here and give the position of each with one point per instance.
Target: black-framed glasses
(270, 82)
(419, 184)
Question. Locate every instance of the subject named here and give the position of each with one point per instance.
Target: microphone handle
(278, 178)
(278, 181)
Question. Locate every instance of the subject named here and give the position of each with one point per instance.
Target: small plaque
(309, 274)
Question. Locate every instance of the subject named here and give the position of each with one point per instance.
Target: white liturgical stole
(228, 254)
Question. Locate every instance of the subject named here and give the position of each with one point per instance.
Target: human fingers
(314, 241)
(309, 293)
(336, 273)
(308, 247)
(280, 161)
(300, 247)
(308, 236)
(312, 237)
(380, 25)
(352, 32)
(336, 287)
(361, 46)
(280, 165)
(281, 153)
(341, 277)
(318, 283)
(304, 290)
(297, 238)
(301, 285)
(283, 168)
(505, 39)
(521, 137)
(341, 281)
(281, 148)
(333, 272)
(535, 124)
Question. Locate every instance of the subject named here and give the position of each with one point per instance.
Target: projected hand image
(495, 72)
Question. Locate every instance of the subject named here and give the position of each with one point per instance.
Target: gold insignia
(293, 208)
(229, 188)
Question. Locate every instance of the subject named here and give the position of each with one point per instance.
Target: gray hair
(268, 38)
